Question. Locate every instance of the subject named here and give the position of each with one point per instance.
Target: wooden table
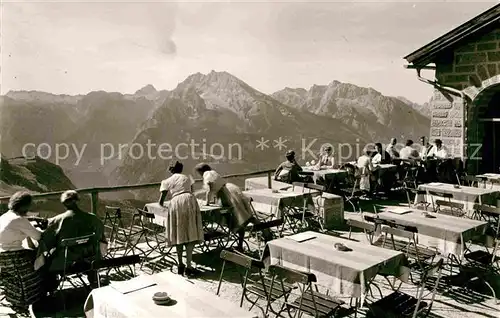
(345, 273)
(468, 196)
(445, 232)
(189, 300)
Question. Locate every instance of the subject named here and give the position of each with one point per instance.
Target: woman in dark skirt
(230, 195)
(21, 283)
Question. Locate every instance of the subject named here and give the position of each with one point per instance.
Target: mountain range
(214, 109)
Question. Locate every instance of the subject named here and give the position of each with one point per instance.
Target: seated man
(408, 152)
(71, 224)
(288, 171)
(439, 151)
(380, 156)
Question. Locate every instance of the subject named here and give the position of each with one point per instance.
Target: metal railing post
(269, 180)
(94, 201)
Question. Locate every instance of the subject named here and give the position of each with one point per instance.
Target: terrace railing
(94, 192)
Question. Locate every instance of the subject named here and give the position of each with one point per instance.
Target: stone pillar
(447, 122)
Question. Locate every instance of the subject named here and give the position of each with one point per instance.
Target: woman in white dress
(184, 224)
(230, 196)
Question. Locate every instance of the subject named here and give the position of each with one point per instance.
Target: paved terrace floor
(450, 302)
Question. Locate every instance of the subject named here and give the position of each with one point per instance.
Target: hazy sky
(76, 47)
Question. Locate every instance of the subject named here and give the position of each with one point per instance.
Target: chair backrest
(242, 260)
(449, 204)
(113, 211)
(78, 241)
(116, 262)
(290, 276)
(398, 232)
(145, 214)
(441, 194)
(369, 227)
(487, 208)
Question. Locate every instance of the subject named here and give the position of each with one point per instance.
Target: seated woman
(230, 196)
(71, 224)
(288, 171)
(22, 284)
(184, 225)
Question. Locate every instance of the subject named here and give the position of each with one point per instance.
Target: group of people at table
(428, 159)
(30, 273)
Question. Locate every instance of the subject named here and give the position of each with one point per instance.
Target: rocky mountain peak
(146, 90)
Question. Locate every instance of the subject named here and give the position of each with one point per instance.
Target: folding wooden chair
(81, 267)
(309, 218)
(259, 286)
(115, 230)
(310, 301)
(483, 265)
(441, 195)
(490, 214)
(474, 181)
(412, 194)
(154, 237)
(258, 231)
(400, 305)
(368, 228)
(404, 239)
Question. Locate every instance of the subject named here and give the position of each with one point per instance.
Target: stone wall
(471, 67)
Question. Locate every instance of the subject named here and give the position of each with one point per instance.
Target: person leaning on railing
(20, 281)
(71, 224)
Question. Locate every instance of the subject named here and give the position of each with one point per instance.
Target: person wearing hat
(288, 171)
(183, 225)
(73, 223)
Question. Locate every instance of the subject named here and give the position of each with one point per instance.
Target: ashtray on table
(428, 215)
(162, 298)
(341, 247)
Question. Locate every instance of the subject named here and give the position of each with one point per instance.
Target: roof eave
(427, 53)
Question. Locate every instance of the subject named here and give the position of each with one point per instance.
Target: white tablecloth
(344, 273)
(446, 233)
(189, 300)
(273, 201)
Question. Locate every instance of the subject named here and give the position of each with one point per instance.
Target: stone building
(466, 101)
